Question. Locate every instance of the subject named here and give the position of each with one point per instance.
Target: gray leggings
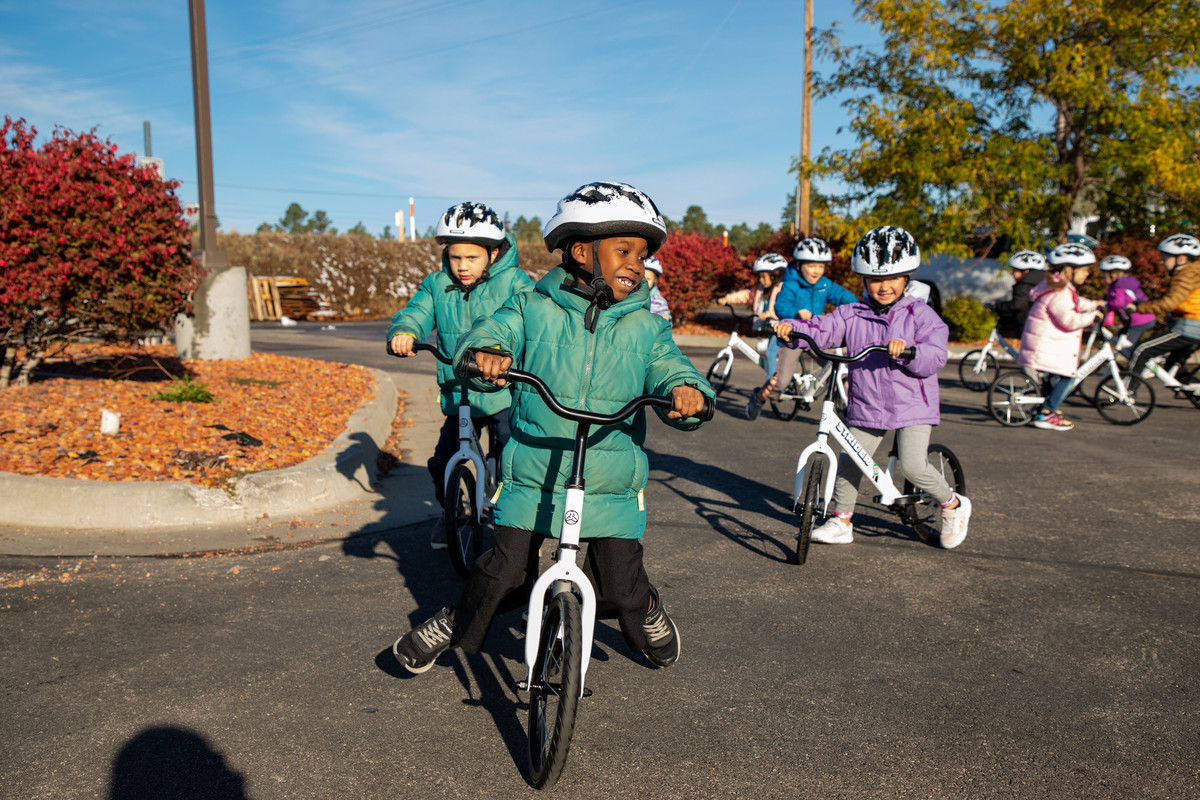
(912, 445)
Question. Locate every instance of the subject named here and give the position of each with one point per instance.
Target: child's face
(812, 271)
(1111, 275)
(1170, 262)
(886, 290)
(1079, 275)
(765, 279)
(651, 278)
(468, 261)
(622, 262)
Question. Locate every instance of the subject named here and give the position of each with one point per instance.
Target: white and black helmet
(1109, 263)
(596, 210)
(472, 223)
(886, 252)
(770, 262)
(654, 265)
(813, 248)
(1180, 244)
(1071, 255)
(1027, 259)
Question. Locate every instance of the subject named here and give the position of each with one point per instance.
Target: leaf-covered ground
(267, 412)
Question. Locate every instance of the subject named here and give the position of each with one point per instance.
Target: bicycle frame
(736, 341)
(1105, 353)
(996, 340)
(470, 449)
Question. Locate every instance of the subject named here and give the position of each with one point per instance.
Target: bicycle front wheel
(788, 404)
(554, 693)
(925, 515)
(718, 374)
(977, 370)
(1137, 405)
(814, 475)
(465, 530)
(1009, 399)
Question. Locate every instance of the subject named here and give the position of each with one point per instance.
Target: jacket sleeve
(931, 345)
(827, 330)
(668, 368)
(1072, 316)
(503, 331)
(839, 295)
(418, 318)
(1182, 285)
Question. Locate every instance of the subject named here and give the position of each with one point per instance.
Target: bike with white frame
(562, 603)
(469, 481)
(1184, 382)
(802, 388)
(1015, 396)
(978, 368)
(816, 469)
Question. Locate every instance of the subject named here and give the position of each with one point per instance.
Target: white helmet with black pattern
(1115, 262)
(1180, 244)
(770, 262)
(1071, 255)
(597, 210)
(885, 252)
(1027, 259)
(472, 223)
(814, 248)
(653, 265)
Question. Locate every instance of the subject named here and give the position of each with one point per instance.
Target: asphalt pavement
(1053, 655)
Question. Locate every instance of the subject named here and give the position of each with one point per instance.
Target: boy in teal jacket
(479, 273)
(584, 330)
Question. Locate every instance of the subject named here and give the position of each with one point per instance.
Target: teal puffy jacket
(631, 353)
(452, 312)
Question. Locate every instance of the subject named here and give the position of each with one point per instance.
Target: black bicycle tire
(550, 742)
(994, 407)
(716, 379)
(780, 407)
(1186, 377)
(959, 484)
(981, 383)
(814, 473)
(460, 518)
(1104, 397)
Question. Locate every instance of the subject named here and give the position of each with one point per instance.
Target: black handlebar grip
(908, 352)
(706, 413)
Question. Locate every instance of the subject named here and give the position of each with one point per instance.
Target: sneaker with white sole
(954, 523)
(437, 535)
(661, 634)
(1052, 422)
(834, 530)
(419, 648)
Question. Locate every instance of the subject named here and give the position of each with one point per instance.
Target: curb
(342, 474)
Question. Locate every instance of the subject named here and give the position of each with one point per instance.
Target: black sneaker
(419, 648)
(663, 636)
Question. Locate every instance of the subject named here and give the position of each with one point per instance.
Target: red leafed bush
(695, 269)
(90, 245)
(1147, 264)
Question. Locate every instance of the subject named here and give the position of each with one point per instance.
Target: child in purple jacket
(1123, 293)
(887, 392)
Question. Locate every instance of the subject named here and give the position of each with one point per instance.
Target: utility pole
(219, 327)
(803, 212)
(146, 137)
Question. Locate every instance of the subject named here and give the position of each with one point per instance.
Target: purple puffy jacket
(886, 393)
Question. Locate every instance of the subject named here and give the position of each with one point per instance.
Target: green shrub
(186, 390)
(969, 321)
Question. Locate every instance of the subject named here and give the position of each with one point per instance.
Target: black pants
(1178, 345)
(502, 578)
(447, 446)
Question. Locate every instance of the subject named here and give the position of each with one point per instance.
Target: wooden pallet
(275, 297)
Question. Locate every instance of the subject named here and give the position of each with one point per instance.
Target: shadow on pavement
(170, 763)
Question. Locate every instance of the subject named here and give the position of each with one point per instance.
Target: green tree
(387, 235)
(527, 230)
(696, 221)
(294, 220)
(976, 116)
(320, 223)
(358, 230)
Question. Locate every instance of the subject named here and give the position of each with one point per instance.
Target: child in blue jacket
(479, 273)
(805, 294)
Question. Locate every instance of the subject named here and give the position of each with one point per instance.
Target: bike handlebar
(471, 370)
(418, 347)
(908, 352)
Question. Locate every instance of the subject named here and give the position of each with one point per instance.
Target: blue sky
(352, 107)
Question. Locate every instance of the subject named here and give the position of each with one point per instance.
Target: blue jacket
(437, 304)
(631, 353)
(798, 294)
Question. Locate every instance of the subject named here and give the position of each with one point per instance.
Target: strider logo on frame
(858, 450)
(571, 518)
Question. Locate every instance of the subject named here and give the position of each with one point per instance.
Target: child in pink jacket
(1054, 328)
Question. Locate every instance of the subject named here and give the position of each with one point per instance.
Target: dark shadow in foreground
(173, 764)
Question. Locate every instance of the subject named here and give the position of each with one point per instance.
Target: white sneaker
(834, 530)
(954, 523)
